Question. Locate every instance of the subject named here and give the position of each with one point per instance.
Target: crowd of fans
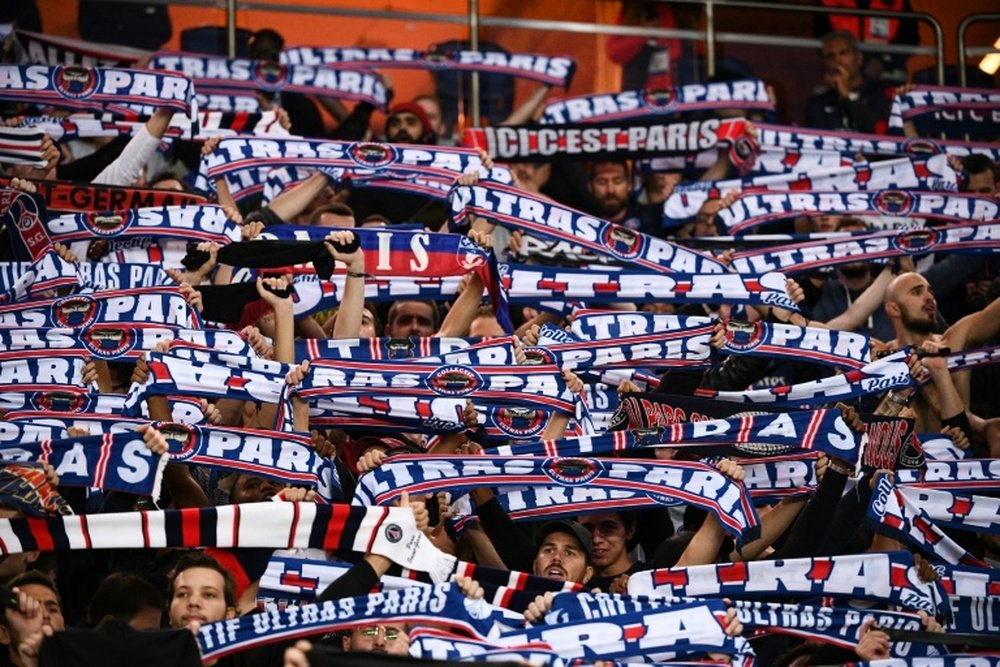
(941, 305)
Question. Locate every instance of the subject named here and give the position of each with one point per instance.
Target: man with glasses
(390, 639)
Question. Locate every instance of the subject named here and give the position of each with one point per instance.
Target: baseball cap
(571, 527)
(419, 112)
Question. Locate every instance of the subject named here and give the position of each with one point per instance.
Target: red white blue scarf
(944, 107)
(155, 306)
(549, 70)
(185, 223)
(647, 105)
(518, 209)
(967, 475)
(24, 280)
(578, 478)
(977, 238)
(886, 373)
(20, 145)
(753, 209)
(56, 50)
(67, 197)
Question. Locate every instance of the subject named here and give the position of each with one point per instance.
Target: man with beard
(913, 311)
(613, 201)
(836, 296)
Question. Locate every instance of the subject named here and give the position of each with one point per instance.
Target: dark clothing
(827, 111)
(835, 298)
(604, 583)
(116, 643)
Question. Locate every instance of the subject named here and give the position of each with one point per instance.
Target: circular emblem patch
(520, 422)
(371, 155)
(659, 101)
(393, 533)
(921, 146)
(58, 401)
(538, 356)
(74, 312)
(893, 202)
(454, 381)
(743, 336)
(108, 223)
(399, 348)
(180, 439)
(622, 241)
(74, 82)
(916, 241)
(270, 76)
(572, 471)
(108, 342)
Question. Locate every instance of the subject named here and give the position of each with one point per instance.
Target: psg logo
(454, 381)
(58, 401)
(622, 241)
(180, 439)
(439, 59)
(470, 255)
(520, 422)
(743, 336)
(270, 76)
(572, 471)
(393, 533)
(538, 356)
(916, 241)
(893, 202)
(921, 146)
(660, 101)
(108, 342)
(399, 348)
(371, 155)
(107, 224)
(74, 82)
(74, 312)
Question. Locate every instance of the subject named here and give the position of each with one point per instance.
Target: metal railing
(710, 36)
(963, 52)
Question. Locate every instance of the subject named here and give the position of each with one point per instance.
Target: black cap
(574, 528)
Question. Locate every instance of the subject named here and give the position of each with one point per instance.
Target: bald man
(912, 310)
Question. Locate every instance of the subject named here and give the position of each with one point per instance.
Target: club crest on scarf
(74, 312)
(659, 101)
(520, 422)
(180, 439)
(893, 202)
(108, 342)
(371, 155)
(270, 76)
(108, 223)
(74, 82)
(916, 241)
(743, 336)
(572, 471)
(58, 401)
(454, 381)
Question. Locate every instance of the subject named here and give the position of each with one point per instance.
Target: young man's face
(609, 185)
(561, 557)
(916, 304)
(18, 626)
(838, 55)
(411, 318)
(199, 595)
(610, 540)
(404, 128)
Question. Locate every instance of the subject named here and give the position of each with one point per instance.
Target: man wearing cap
(565, 552)
(408, 123)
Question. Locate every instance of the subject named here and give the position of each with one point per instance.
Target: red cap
(418, 111)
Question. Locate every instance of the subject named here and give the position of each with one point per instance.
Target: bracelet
(355, 274)
(902, 402)
(842, 470)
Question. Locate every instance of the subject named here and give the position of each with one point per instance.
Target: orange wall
(594, 71)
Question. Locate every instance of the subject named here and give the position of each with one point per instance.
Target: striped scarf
(184, 223)
(944, 108)
(576, 478)
(518, 209)
(967, 475)
(551, 71)
(24, 280)
(977, 238)
(751, 209)
(67, 197)
(55, 50)
(22, 146)
(881, 577)
(156, 306)
(646, 105)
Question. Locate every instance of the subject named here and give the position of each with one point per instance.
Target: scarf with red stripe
(752, 209)
(22, 145)
(939, 108)
(977, 238)
(25, 280)
(647, 105)
(67, 197)
(894, 514)
(518, 209)
(572, 479)
(387, 531)
(184, 223)
(881, 577)
(966, 475)
(548, 70)
(158, 306)
(585, 141)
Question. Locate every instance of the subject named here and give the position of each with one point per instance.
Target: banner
(182, 223)
(157, 306)
(646, 105)
(944, 107)
(54, 50)
(22, 145)
(23, 280)
(552, 71)
(69, 197)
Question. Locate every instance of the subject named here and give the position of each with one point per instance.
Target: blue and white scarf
(160, 306)
(696, 483)
(232, 76)
(967, 475)
(472, 351)
(752, 209)
(185, 223)
(94, 88)
(891, 513)
(978, 238)
(882, 577)
(647, 105)
(925, 173)
(22, 145)
(41, 370)
(591, 324)
(971, 358)
(944, 107)
(24, 280)
(101, 276)
(549, 70)
(518, 209)
(527, 284)
(57, 50)
(851, 143)
(979, 514)
(38, 425)
(886, 373)
(843, 349)
(120, 462)
(433, 645)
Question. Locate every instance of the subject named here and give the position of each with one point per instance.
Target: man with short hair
(565, 552)
(849, 101)
(983, 175)
(411, 318)
(17, 624)
(610, 534)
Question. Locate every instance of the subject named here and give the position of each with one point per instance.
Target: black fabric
(142, 26)
(604, 583)
(513, 546)
(225, 303)
(115, 643)
(827, 111)
(87, 168)
(273, 255)
(812, 524)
